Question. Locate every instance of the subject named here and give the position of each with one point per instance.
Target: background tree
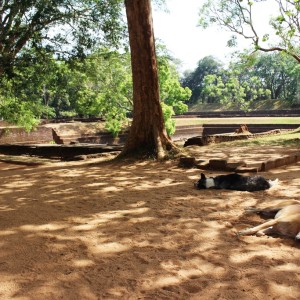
(194, 80)
(280, 74)
(212, 89)
(277, 71)
(237, 17)
(261, 76)
(233, 91)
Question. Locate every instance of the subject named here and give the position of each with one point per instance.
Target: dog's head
(201, 183)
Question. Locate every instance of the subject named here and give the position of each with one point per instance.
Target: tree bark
(147, 135)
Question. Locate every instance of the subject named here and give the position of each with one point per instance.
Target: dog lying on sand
(270, 211)
(286, 223)
(235, 182)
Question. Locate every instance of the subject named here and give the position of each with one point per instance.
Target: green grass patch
(239, 121)
(269, 104)
(287, 139)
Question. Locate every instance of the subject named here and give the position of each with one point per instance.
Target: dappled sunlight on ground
(113, 230)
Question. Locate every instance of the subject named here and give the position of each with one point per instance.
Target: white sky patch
(189, 43)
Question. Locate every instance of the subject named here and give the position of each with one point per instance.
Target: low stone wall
(214, 139)
(210, 129)
(47, 133)
(15, 135)
(65, 152)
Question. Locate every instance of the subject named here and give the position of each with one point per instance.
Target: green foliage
(114, 124)
(64, 27)
(106, 88)
(286, 26)
(171, 91)
(48, 52)
(278, 72)
(21, 101)
(168, 112)
(213, 88)
(173, 96)
(100, 85)
(18, 113)
(230, 91)
(252, 77)
(195, 80)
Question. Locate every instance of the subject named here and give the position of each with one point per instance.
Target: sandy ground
(139, 230)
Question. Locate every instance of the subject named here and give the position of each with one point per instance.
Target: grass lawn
(269, 104)
(249, 120)
(287, 139)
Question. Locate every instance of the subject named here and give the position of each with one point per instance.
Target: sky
(189, 43)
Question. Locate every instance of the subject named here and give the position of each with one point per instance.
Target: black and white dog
(235, 182)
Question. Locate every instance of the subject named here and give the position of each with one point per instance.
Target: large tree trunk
(147, 134)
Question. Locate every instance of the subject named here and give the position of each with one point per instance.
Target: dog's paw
(260, 233)
(246, 231)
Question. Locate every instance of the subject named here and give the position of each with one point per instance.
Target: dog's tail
(273, 182)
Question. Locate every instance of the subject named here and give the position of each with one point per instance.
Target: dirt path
(111, 230)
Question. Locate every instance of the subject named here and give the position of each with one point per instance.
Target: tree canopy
(63, 27)
(237, 16)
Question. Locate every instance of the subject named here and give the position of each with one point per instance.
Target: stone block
(279, 162)
(218, 164)
(268, 165)
(187, 162)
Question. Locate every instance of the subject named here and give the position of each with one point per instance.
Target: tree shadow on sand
(114, 230)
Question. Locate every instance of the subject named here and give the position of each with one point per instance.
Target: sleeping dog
(271, 210)
(286, 222)
(235, 182)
